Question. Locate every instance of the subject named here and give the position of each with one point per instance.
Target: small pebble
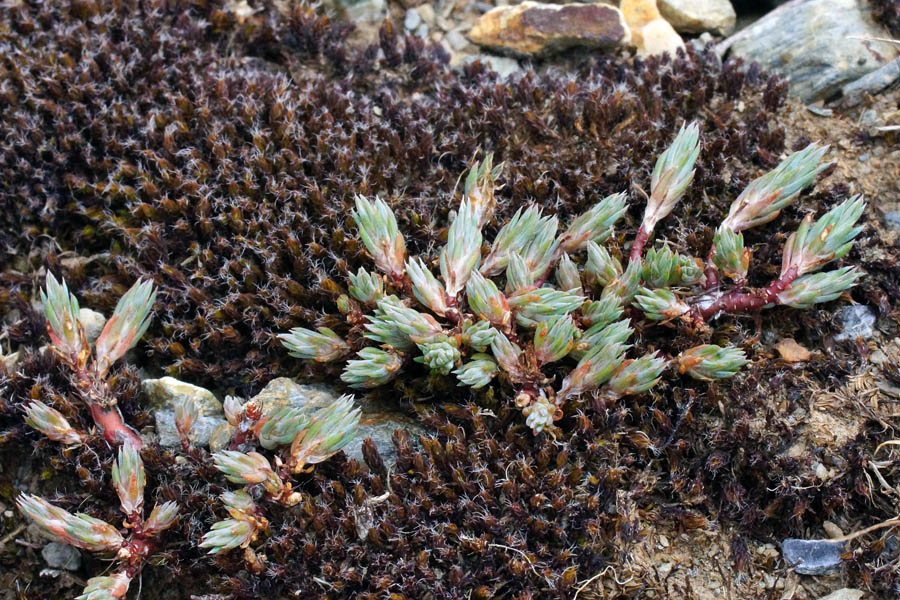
(832, 530)
(821, 471)
(426, 12)
(456, 40)
(412, 20)
(864, 157)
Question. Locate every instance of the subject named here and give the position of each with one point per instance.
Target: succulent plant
(448, 323)
(131, 552)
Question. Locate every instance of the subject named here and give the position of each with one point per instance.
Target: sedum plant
(90, 367)
(299, 437)
(129, 551)
(543, 295)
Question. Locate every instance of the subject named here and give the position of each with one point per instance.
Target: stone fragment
(412, 20)
(832, 530)
(855, 92)
(502, 65)
(858, 321)
(535, 29)
(698, 16)
(844, 594)
(359, 11)
(61, 556)
(791, 351)
(817, 45)
(162, 396)
(812, 557)
(93, 323)
(650, 32)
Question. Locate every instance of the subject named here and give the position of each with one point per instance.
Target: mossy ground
(222, 162)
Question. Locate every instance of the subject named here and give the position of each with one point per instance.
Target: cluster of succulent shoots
(132, 550)
(311, 436)
(478, 325)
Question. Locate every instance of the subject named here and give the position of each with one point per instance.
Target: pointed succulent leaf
(61, 309)
(601, 335)
(51, 423)
(709, 362)
(186, 414)
(660, 305)
(518, 276)
(593, 370)
(324, 346)
(507, 355)
(532, 307)
(626, 285)
(730, 255)
(672, 175)
(567, 275)
(373, 368)
(106, 587)
(129, 480)
(814, 245)
(763, 199)
(399, 326)
(688, 270)
(812, 289)
(281, 426)
(239, 504)
(601, 268)
(248, 469)
(378, 230)
(366, 287)
(513, 237)
(541, 252)
(229, 534)
(462, 253)
(595, 225)
(636, 376)
(127, 324)
(440, 356)
(477, 335)
(479, 190)
(487, 301)
(426, 288)
(539, 414)
(659, 267)
(79, 530)
(600, 313)
(554, 339)
(161, 518)
(234, 410)
(478, 372)
(332, 428)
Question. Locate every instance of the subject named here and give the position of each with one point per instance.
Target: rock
(93, 323)
(858, 321)
(279, 393)
(426, 12)
(843, 594)
(456, 40)
(832, 530)
(698, 16)
(359, 11)
(412, 20)
(892, 220)
(534, 29)
(502, 65)
(650, 32)
(61, 556)
(791, 351)
(162, 395)
(814, 44)
(812, 557)
(853, 93)
(377, 421)
(380, 426)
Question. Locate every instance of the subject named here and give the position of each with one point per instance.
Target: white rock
(697, 16)
(162, 395)
(843, 594)
(858, 321)
(93, 323)
(412, 20)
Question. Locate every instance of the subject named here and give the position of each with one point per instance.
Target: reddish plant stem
(737, 302)
(711, 272)
(640, 240)
(114, 429)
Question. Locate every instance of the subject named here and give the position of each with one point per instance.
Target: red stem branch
(737, 302)
(640, 240)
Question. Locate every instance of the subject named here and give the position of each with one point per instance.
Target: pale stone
(162, 396)
(698, 16)
(93, 323)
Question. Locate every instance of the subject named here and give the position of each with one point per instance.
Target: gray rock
(697, 16)
(380, 426)
(162, 396)
(814, 44)
(892, 220)
(93, 323)
(843, 594)
(456, 40)
(359, 11)
(812, 557)
(412, 20)
(880, 79)
(61, 556)
(858, 321)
